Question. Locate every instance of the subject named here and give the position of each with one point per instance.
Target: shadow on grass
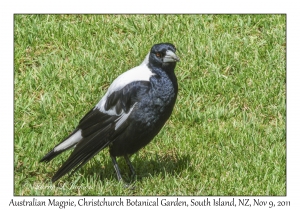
(162, 165)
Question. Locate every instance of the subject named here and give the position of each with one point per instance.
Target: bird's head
(163, 55)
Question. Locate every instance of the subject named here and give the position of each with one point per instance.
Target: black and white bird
(130, 114)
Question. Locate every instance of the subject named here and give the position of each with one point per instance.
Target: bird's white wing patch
(123, 117)
(72, 140)
(139, 73)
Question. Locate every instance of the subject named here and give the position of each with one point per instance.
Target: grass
(227, 133)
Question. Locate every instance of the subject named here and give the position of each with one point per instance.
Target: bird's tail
(50, 155)
(68, 143)
(84, 151)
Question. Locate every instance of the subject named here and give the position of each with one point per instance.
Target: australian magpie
(131, 113)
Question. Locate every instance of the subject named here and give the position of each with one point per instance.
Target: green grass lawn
(227, 133)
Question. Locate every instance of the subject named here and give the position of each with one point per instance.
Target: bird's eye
(158, 55)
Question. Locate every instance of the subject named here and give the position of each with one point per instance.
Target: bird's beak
(170, 57)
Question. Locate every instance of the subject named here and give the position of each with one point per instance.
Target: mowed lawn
(227, 133)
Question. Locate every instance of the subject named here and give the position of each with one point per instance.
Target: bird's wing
(116, 102)
(99, 129)
(92, 122)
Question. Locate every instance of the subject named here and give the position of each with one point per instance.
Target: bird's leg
(130, 165)
(113, 158)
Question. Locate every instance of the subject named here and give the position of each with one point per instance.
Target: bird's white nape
(139, 73)
(146, 60)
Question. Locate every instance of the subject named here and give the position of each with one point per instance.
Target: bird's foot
(129, 186)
